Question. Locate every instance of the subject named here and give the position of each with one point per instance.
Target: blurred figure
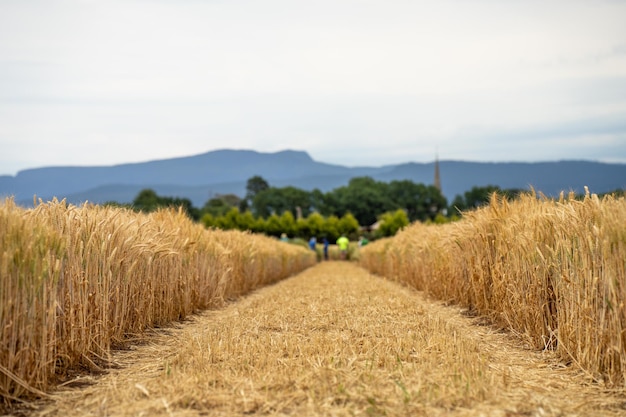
(343, 243)
(312, 242)
(325, 241)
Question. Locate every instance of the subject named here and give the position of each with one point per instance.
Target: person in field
(325, 242)
(312, 242)
(343, 243)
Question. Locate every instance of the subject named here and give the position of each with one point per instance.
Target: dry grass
(334, 341)
(551, 271)
(77, 281)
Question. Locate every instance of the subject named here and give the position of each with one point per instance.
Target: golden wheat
(333, 340)
(552, 271)
(76, 281)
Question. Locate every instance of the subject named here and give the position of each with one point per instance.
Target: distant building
(437, 182)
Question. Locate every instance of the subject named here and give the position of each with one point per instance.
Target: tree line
(364, 205)
(365, 198)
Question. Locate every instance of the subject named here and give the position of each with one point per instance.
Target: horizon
(436, 159)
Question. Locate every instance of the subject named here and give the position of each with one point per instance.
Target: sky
(352, 82)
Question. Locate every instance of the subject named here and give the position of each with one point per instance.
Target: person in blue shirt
(325, 242)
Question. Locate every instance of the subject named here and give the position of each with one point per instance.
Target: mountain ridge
(202, 176)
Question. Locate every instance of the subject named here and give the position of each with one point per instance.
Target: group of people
(342, 243)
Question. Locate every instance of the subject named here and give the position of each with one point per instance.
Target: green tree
(433, 203)
(260, 225)
(216, 207)
(273, 226)
(317, 201)
(147, 200)
(288, 224)
(315, 225)
(331, 228)
(391, 222)
(229, 221)
(208, 220)
(348, 225)
(302, 228)
(419, 201)
(254, 185)
(246, 221)
(232, 200)
(363, 197)
(278, 200)
(220, 204)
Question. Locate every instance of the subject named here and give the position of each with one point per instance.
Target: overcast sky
(353, 82)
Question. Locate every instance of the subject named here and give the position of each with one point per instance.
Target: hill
(200, 177)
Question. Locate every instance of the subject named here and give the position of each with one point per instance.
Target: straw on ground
(335, 340)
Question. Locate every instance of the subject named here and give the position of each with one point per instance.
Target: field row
(77, 281)
(551, 271)
(333, 340)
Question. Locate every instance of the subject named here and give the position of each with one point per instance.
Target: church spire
(437, 177)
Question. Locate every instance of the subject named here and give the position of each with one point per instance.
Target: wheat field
(534, 324)
(77, 282)
(554, 272)
(334, 340)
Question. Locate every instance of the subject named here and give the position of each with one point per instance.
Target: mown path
(334, 341)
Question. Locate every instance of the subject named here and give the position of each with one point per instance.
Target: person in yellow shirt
(343, 243)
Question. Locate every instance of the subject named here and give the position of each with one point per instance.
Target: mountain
(200, 177)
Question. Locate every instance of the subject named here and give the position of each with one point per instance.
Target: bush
(391, 223)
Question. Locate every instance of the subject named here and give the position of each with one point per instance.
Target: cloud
(354, 82)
